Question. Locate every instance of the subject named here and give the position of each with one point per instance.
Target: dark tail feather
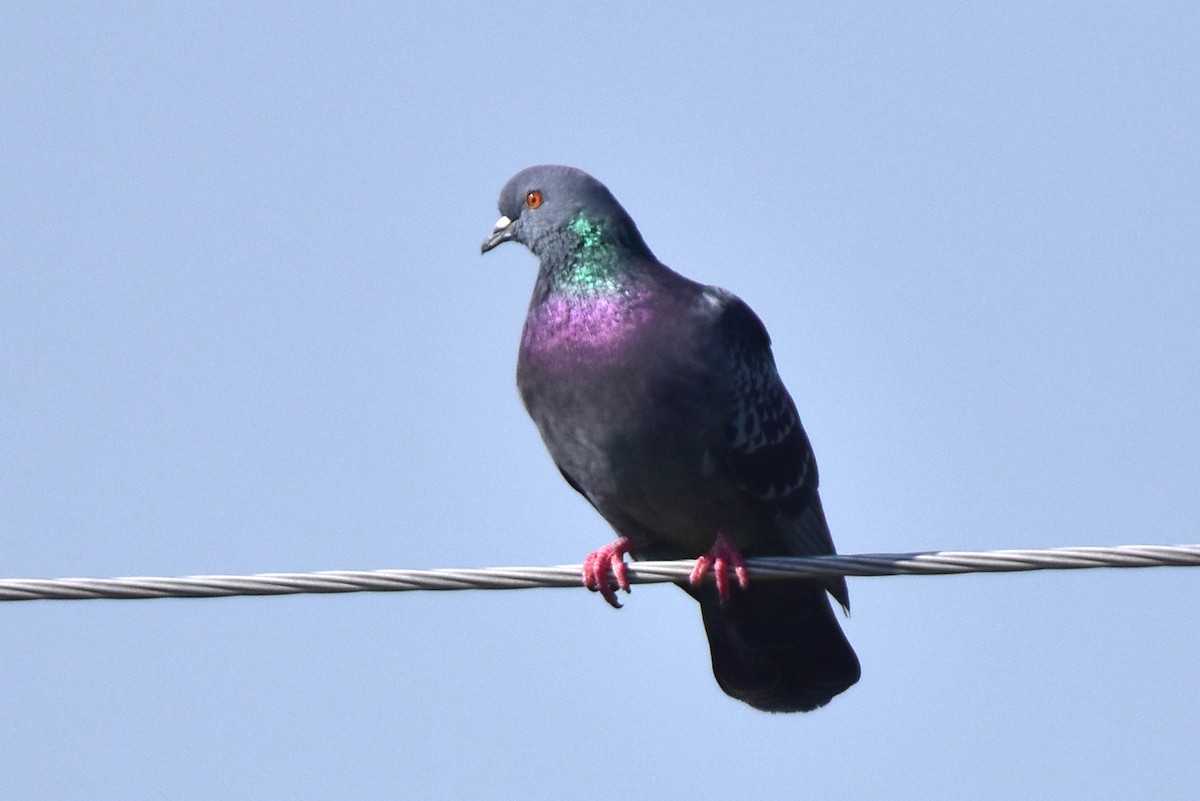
(777, 645)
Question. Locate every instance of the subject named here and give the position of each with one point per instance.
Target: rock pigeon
(659, 401)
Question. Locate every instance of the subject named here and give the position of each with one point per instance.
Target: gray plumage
(659, 400)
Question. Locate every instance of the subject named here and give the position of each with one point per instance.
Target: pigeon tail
(777, 645)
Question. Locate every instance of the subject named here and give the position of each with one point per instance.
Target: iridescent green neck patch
(593, 267)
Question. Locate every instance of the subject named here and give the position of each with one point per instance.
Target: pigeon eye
(533, 199)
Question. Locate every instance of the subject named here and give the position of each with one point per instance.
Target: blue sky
(247, 328)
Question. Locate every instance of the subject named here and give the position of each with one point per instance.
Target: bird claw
(722, 556)
(597, 566)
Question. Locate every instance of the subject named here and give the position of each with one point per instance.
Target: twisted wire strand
(516, 578)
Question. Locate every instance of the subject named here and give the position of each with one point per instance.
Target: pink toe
(620, 571)
(722, 556)
(599, 564)
(721, 574)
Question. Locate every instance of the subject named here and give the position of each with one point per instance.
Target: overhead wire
(515, 578)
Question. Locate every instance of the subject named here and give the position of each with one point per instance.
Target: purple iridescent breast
(584, 326)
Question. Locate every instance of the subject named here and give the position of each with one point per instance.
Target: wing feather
(768, 453)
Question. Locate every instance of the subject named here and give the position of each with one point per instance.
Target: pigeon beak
(503, 232)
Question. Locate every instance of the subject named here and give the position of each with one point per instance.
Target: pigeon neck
(597, 260)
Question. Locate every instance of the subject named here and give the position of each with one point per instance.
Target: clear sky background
(245, 327)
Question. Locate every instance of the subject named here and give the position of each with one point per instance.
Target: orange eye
(533, 199)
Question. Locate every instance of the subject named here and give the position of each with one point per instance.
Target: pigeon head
(558, 211)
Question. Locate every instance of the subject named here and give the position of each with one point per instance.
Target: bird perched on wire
(659, 401)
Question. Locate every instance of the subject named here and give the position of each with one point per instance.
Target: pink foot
(596, 568)
(722, 556)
